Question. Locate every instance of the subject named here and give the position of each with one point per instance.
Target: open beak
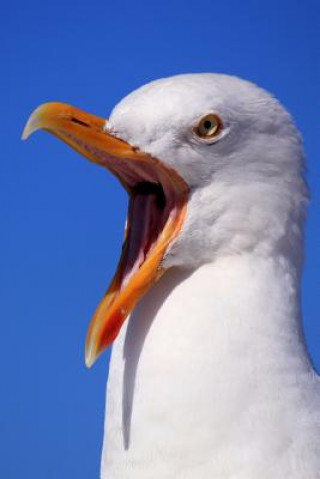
(157, 208)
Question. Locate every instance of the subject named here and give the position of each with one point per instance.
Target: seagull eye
(208, 127)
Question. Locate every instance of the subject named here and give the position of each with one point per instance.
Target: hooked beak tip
(27, 131)
(33, 123)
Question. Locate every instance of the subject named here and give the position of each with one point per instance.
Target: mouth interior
(154, 200)
(149, 211)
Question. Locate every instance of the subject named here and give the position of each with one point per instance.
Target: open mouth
(157, 208)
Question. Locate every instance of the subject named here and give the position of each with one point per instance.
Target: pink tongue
(143, 232)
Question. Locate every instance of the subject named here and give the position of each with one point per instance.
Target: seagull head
(213, 166)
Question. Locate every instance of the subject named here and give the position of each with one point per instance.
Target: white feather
(211, 378)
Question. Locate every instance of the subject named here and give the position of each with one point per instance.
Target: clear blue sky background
(62, 218)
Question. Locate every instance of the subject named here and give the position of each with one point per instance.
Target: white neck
(212, 376)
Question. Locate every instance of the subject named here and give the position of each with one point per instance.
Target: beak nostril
(79, 122)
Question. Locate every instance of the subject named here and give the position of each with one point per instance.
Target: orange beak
(157, 208)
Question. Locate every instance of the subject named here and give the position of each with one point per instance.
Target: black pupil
(207, 124)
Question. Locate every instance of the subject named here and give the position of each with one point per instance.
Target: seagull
(209, 375)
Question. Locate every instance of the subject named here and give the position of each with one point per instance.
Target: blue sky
(62, 217)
